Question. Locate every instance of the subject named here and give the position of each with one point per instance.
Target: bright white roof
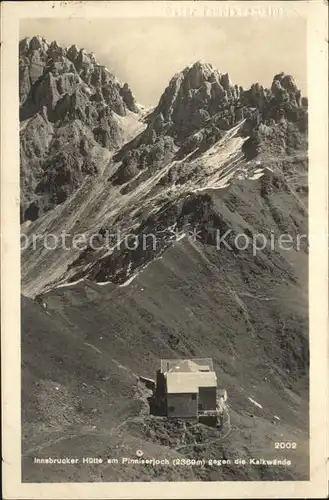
(186, 365)
(182, 382)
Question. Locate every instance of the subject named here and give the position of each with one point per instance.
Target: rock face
(69, 106)
(49, 72)
(200, 93)
(199, 105)
(193, 96)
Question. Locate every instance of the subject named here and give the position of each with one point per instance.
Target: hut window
(194, 397)
(171, 408)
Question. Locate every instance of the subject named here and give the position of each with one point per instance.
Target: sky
(147, 52)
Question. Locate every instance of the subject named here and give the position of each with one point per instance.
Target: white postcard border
(316, 13)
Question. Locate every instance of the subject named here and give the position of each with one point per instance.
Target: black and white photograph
(164, 177)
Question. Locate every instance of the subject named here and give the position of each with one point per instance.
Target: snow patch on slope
(72, 283)
(255, 403)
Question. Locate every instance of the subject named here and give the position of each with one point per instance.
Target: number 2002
(285, 445)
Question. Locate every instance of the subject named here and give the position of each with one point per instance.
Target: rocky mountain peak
(284, 89)
(70, 90)
(197, 74)
(70, 70)
(192, 97)
(37, 42)
(200, 92)
(70, 111)
(198, 106)
(285, 81)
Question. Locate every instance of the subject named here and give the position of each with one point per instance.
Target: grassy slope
(83, 353)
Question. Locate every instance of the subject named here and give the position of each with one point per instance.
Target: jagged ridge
(199, 105)
(70, 109)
